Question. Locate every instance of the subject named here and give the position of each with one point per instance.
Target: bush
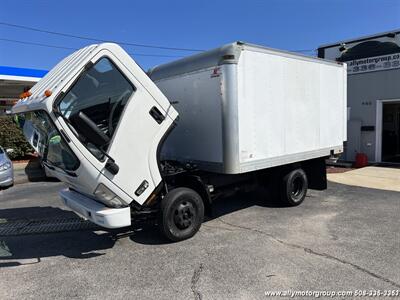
(11, 136)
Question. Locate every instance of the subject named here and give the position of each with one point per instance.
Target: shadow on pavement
(34, 212)
(150, 235)
(78, 245)
(86, 243)
(4, 188)
(69, 242)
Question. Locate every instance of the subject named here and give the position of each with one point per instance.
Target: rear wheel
(294, 187)
(181, 214)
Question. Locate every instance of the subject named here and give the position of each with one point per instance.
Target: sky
(198, 25)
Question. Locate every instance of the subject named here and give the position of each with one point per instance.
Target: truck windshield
(47, 141)
(101, 93)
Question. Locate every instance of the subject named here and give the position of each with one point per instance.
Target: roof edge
(359, 39)
(226, 54)
(22, 72)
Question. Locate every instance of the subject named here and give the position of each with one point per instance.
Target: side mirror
(89, 129)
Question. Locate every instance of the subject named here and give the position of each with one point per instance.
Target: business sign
(373, 64)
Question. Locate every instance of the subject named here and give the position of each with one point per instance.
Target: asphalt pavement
(344, 238)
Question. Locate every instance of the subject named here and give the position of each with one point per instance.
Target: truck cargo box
(244, 108)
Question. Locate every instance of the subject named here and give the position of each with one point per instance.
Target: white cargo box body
(243, 108)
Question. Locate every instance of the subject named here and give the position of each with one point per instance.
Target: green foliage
(11, 136)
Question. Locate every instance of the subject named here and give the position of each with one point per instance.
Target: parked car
(6, 169)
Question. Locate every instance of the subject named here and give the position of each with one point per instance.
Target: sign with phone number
(373, 64)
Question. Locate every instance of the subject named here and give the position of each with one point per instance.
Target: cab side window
(101, 93)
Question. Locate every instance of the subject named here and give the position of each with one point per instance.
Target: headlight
(105, 195)
(5, 166)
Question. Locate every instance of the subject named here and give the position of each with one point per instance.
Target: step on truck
(164, 145)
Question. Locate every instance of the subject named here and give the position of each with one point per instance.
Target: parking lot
(344, 238)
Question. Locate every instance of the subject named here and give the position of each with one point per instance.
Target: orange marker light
(47, 93)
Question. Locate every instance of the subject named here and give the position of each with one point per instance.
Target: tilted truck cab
(249, 117)
(102, 82)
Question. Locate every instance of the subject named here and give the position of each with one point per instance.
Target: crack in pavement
(310, 251)
(195, 279)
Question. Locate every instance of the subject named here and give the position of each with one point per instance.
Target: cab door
(116, 95)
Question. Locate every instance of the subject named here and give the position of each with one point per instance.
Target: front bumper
(6, 178)
(95, 211)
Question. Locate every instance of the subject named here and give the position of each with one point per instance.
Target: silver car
(6, 169)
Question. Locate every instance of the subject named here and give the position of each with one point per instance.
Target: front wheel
(294, 187)
(181, 214)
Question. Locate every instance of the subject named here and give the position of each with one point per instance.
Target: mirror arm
(111, 166)
(106, 154)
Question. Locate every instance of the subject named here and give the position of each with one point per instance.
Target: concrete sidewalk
(381, 178)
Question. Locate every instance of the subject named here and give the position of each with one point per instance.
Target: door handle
(156, 114)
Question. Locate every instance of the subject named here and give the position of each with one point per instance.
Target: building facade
(373, 94)
(13, 82)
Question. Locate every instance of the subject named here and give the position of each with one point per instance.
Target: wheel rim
(184, 215)
(297, 187)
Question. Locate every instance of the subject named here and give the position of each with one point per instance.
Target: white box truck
(164, 145)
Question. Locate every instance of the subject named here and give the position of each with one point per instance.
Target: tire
(181, 214)
(294, 187)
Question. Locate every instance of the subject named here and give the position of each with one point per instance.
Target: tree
(11, 136)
